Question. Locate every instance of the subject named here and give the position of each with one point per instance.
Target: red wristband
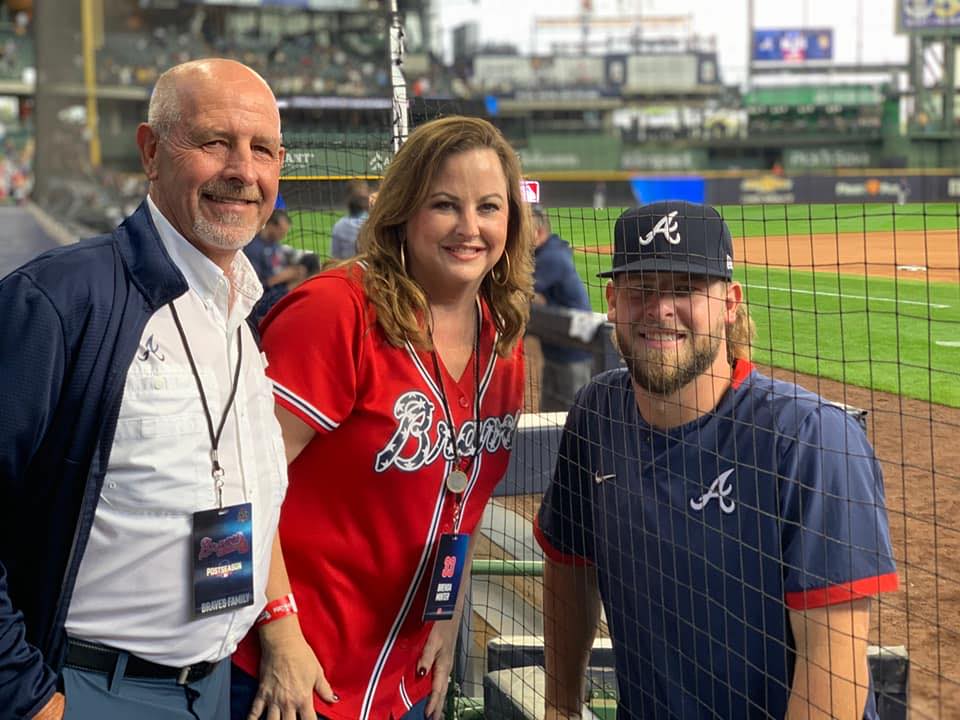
(276, 609)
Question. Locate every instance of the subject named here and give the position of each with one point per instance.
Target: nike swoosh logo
(598, 478)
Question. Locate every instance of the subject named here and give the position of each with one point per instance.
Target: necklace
(457, 481)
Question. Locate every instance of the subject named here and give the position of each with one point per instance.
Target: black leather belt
(99, 658)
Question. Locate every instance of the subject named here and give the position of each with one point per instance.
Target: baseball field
(861, 294)
(860, 303)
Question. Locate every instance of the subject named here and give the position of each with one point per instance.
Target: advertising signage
(928, 17)
(832, 189)
(792, 45)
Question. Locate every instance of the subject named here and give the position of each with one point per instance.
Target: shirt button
(158, 383)
(464, 402)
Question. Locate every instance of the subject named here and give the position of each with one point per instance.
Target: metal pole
(90, 42)
(507, 567)
(400, 110)
(749, 43)
(949, 85)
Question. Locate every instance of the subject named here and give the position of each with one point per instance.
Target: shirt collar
(202, 274)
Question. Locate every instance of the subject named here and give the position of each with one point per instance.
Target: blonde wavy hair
(400, 302)
(740, 335)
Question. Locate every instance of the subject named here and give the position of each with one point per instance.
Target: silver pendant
(457, 481)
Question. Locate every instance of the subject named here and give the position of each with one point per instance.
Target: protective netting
(858, 302)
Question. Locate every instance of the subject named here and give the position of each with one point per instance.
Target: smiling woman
(460, 232)
(399, 379)
(436, 159)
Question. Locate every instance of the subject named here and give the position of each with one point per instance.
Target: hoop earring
(402, 242)
(505, 278)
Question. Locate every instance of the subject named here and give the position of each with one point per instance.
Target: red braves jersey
(367, 501)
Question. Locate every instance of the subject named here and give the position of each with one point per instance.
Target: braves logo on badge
(666, 226)
(719, 491)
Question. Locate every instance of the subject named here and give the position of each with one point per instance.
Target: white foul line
(844, 295)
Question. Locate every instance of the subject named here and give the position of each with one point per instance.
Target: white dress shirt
(134, 590)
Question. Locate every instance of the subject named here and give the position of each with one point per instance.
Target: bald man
(141, 467)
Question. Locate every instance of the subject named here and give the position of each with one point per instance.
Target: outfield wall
(623, 189)
(755, 189)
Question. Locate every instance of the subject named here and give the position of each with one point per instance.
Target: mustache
(232, 191)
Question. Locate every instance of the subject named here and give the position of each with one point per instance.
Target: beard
(230, 230)
(664, 372)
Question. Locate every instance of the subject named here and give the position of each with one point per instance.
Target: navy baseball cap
(672, 236)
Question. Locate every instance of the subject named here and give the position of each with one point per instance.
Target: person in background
(304, 268)
(557, 283)
(732, 525)
(141, 465)
(399, 379)
(266, 251)
(343, 237)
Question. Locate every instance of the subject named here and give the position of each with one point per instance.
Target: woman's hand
(437, 655)
(289, 674)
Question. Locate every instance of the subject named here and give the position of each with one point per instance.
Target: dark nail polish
(421, 672)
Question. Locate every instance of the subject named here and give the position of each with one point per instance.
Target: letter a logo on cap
(666, 226)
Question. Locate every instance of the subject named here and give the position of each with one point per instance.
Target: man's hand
(289, 674)
(53, 710)
(438, 655)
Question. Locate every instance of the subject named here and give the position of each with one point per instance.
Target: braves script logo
(666, 226)
(719, 490)
(235, 543)
(151, 346)
(412, 447)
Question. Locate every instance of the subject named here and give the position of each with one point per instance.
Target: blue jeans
(243, 688)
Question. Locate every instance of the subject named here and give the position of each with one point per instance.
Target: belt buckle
(183, 676)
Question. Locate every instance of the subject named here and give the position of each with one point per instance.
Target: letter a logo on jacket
(719, 490)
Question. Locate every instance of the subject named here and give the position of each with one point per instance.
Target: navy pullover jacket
(556, 278)
(70, 323)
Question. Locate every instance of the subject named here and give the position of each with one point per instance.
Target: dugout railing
(499, 675)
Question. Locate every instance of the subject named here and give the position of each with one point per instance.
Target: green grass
(772, 220)
(310, 230)
(594, 228)
(872, 332)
